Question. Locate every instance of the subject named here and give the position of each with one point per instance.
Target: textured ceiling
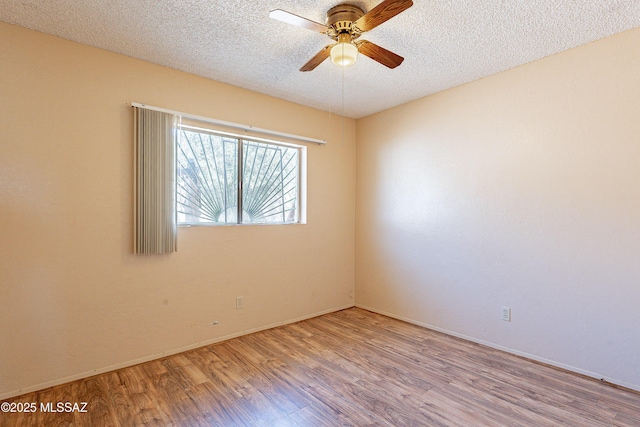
(445, 43)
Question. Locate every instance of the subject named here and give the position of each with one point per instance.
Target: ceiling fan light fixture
(345, 53)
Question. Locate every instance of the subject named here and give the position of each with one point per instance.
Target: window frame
(301, 172)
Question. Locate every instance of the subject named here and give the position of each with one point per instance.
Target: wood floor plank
(169, 390)
(144, 408)
(21, 411)
(279, 389)
(48, 414)
(236, 377)
(625, 420)
(494, 410)
(308, 366)
(359, 359)
(121, 401)
(219, 408)
(450, 412)
(100, 409)
(349, 368)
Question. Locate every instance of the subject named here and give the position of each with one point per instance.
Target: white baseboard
(595, 375)
(102, 370)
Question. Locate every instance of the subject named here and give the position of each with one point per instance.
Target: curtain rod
(245, 128)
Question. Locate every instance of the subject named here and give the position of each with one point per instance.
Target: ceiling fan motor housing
(342, 17)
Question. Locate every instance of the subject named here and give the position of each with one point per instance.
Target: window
(226, 179)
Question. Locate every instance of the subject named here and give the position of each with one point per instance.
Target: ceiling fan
(345, 24)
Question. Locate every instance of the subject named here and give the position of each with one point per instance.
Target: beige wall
(73, 297)
(521, 190)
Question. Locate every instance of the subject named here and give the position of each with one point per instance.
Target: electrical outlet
(506, 314)
(239, 303)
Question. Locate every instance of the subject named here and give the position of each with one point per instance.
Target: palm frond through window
(222, 179)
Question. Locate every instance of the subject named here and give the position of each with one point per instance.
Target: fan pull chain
(342, 114)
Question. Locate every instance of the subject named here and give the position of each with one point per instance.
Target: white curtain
(155, 209)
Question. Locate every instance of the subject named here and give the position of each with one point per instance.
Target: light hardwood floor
(351, 367)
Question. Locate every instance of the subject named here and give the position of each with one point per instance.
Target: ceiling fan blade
(290, 18)
(318, 58)
(382, 13)
(379, 54)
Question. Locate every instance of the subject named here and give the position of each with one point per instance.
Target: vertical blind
(155, 214)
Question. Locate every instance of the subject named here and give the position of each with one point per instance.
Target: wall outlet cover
(506, 314)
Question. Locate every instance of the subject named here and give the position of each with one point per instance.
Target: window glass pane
(269, 183)
(207, 178)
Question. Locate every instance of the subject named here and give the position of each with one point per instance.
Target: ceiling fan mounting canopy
(340, 19)
(344, 24)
